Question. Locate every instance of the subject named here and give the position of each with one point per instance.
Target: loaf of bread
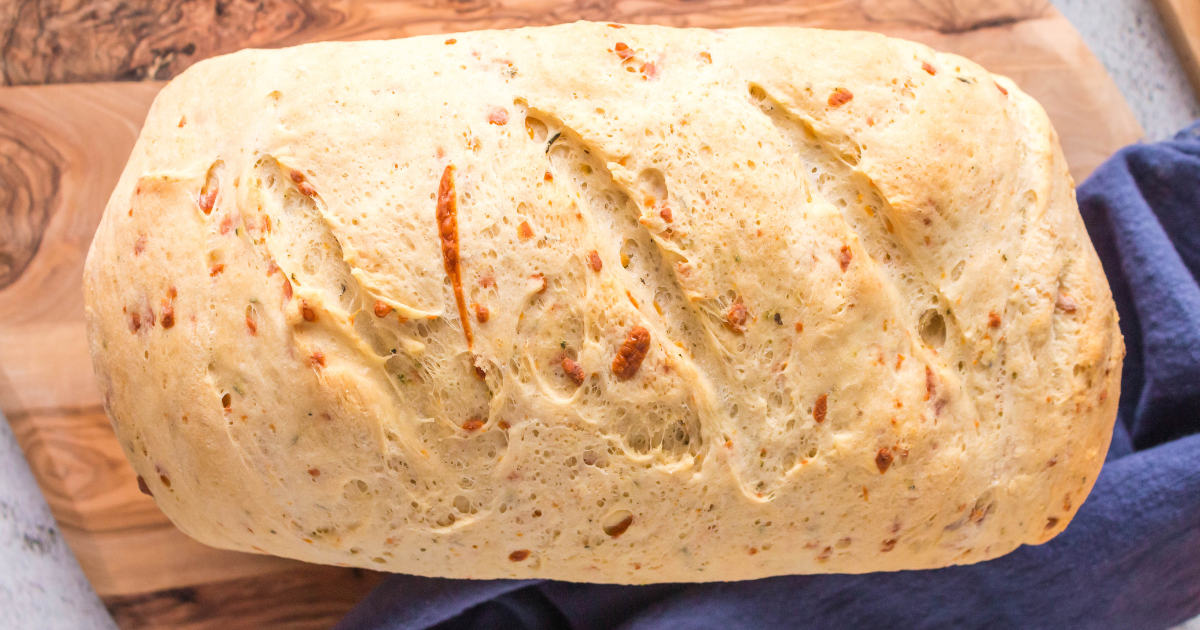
(605, 303)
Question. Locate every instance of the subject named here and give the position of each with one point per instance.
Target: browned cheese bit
(168, 308)
(207, 199)
(447, 219)
(631, 353)
(840, 96)
(574, 370)
(884, 459)
(737, 316)
(302, 185)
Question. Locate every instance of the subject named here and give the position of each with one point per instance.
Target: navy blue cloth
(1129, 559)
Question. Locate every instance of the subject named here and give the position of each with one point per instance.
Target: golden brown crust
(850, 318)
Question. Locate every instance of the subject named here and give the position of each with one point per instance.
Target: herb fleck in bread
(605, 303)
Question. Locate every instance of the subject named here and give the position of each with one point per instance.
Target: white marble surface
(41, 585)
(1128, 38)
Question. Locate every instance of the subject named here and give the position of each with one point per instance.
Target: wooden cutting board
(62, 148)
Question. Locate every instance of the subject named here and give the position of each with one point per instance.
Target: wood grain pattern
(84, 479)
(118, 534)
(90, 130)
(313, 599)
(29, 180)
(1182, 19)
(62, 149)
(62, 41)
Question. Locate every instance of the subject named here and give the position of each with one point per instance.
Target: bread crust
(746, 303)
